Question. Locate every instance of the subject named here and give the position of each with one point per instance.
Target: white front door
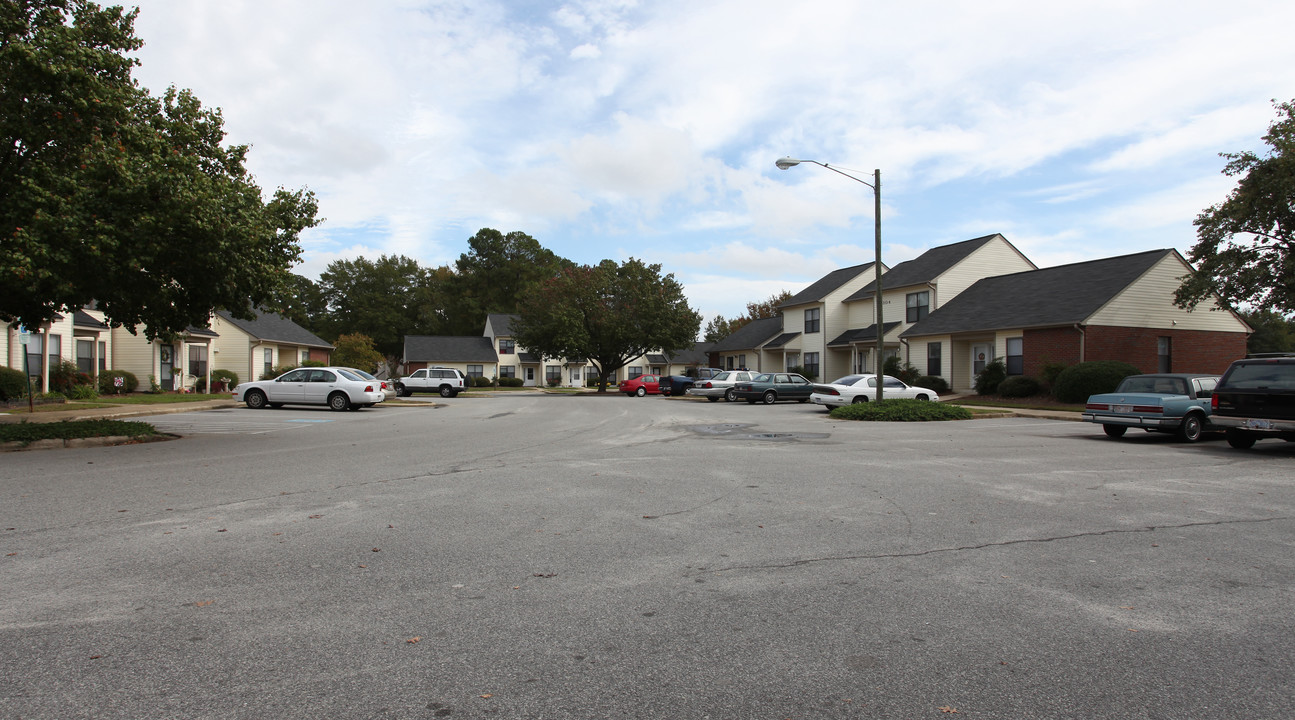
(981, 355)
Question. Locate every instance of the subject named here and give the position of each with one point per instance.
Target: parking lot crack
(1004, 543)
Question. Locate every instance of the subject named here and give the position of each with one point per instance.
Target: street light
(789, 162)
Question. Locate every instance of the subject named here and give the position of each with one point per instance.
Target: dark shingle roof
(826, 284)
(698, 354)
(501, 323)
(782, 339)
(925, 267)
(449, 349)
(860, 334)
(1061, 295)
(83, 319)
(656, 359)
(751, 335)
(275, 328)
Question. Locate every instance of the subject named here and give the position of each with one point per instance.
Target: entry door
(167, 357)
(981, 355)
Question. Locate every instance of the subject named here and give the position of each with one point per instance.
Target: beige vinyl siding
(1149, 302)
(232, 350)
(134, 354)
(995, 257)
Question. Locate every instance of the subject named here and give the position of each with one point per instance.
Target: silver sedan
(720, 386)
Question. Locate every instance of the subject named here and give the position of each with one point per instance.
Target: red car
(641, 385)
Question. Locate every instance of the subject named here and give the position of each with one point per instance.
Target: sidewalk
(113, 412)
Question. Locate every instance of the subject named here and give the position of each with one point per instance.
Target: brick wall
(1192, 350)
(1207, 351)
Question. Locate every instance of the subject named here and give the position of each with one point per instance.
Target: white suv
(446, 381)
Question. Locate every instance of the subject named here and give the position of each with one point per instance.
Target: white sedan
(863, 388)
(720, 386)
(338, 388)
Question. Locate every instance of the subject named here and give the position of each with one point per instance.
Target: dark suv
(1256, 399)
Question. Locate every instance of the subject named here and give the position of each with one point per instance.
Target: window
(35, 343)
(103, 355)
(635, 371)
(198, 360)
(933, 351)
(1164, 354)
(507, 371)
(475, 371)
(728, 363)
(305, 356)
(741, 361)
(55, 351)
(85, 356)
(507, 346)
(553, 374)
(919, 305)
(419, 374)
(575, 374)
(811, 364)
(269, 360)
(1015, 356)
(811, 320)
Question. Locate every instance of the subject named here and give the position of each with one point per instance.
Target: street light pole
(788, 162)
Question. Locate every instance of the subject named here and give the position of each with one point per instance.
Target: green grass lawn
(1019, 403)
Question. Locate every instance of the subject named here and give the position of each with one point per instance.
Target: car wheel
(402, 391)
(1192, 428)
(447, 391)
(770, 397)
(255, 399)
(859, 399)
(1115, 431)
(338, 401)
(730, 395)
(1240, 439)
(641, 391)
(713, 399)
(922, 397)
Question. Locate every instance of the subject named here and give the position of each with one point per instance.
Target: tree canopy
(114, 196)
(1245, 249)
(608, 314)
(493, 274)
(719, 328)
(384, 299)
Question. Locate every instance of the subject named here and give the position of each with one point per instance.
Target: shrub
(517, 382)
(82, 392)
(26, 433)
(482, 381)
(313, 363)
(1048, 376)
(229, 377)
(933, 382)
(1077, 382)
(554, 382)
(987, 380)
(901, 411)
(65, 376)
(13, 384)
(108, 382)
(902, 370)
(1019, 386)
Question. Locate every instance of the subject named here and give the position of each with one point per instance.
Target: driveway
(566, 557)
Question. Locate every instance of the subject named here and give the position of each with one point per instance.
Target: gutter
(1082, 340)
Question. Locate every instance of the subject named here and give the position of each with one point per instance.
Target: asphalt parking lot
(568, 557)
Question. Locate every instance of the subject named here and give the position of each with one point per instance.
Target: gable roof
(751, 335)
(449, 349)
(928, 266)
(826, 284)
(501, 323)
(1061, 295)
(275, 328)
(83, 319)
(860, 334)
(698, 354)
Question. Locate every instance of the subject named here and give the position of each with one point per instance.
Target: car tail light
(707, 385)
(368, 388)
(1097, 406)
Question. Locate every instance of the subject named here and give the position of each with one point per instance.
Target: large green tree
(1273, 332)
(1245, 248)
(115, 196)
(383, 299)
(608, 314)
(493, 274)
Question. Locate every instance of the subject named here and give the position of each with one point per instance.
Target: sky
(618, 129)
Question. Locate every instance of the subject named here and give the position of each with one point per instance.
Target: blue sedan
(1171, 403)
(769, 388)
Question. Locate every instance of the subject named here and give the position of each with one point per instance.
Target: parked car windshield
(1262, 376)
(350, 375)
(763, 377)
(847, 380)
(722, 376)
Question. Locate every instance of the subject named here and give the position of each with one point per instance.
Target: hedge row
(901, 411)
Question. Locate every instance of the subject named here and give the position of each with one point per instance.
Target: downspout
(908, 359)
(1082, 340)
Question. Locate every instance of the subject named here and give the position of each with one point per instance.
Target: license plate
(1259, 424)
(1123, 409)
